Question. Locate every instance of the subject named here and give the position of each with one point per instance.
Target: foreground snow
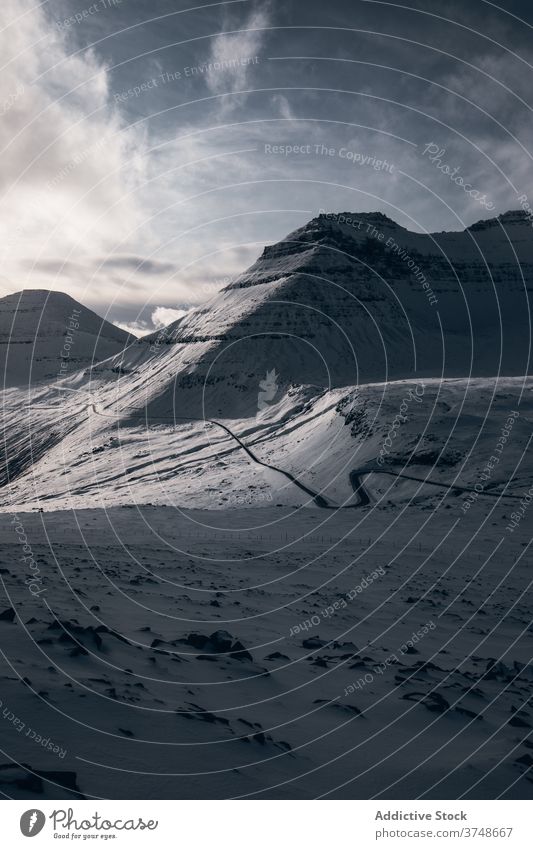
(379, 651)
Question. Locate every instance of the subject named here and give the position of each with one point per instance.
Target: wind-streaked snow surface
(237, 564)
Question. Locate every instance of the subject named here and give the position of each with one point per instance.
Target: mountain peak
(325, 222)
(44, 334)
(512, 216)
(350, 217)
(328, 226)
(36, 298)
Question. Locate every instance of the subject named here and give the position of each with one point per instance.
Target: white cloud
(280, 102)
(162, 316)
(234, 54)
(136, 328)
(65, 160)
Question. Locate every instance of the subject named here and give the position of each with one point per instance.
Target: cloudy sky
(150, 148)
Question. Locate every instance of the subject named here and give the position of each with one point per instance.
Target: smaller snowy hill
(48, 335)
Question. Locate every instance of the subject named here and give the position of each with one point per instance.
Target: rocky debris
(518, 722)
(469, 713)
(32, 781)
(7, 615)
(499, 671)
(200, 713)
(12, 775)
(218, 643)
(89, 637)
(347, 708)
(434, 702)
(65, 779)
(320, 661)
(262, 738)
(314, 643)
(249, 724)
(524, 670)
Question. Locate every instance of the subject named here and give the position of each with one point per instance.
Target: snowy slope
(75, 452)
(40, 330)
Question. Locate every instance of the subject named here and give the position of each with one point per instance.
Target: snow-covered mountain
(276, 360)
(347, 299)
(48, 335)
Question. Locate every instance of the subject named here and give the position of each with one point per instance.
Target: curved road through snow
(355, 476)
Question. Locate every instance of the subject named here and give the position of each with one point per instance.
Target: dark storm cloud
(138, 264)
(54, 268)
(120, 263)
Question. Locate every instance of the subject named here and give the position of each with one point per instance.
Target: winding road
(355, 476)
(453, 487)
(319, 500)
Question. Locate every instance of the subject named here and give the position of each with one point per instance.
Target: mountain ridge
(345, 299)
(338, 304)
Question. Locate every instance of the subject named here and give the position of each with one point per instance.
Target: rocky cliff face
(349, 298)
